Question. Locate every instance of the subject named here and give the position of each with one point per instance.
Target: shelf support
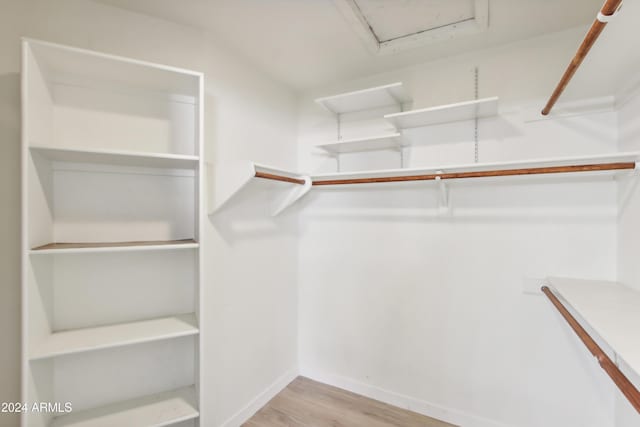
(404, 154)
(292, 196)
(443, 192)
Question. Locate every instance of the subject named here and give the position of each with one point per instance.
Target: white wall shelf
(283, 193)
(380, 142)
(88, 339)
(481, 108)
(521, 164)
(158, 410)
(67, 64)
(117, 158)
(611, 309)
(67, 248)
(393, 94)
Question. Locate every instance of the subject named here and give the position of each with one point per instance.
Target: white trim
(244, 414)
(356, 20)
(24, 258)
(443, 413)
(351, 13)
(200, 216)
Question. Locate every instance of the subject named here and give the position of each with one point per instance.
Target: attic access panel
(389, 26)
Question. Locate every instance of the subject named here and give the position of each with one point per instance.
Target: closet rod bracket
(292, 196)
(443, 199)
(607, 18)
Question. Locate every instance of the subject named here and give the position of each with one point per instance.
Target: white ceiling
(306, 43)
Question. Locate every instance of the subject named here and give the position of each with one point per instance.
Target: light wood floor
(307, 403)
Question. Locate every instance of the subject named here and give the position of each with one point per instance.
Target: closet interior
(440, 236)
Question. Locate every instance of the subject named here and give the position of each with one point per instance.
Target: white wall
(629, 196)
(250, 312)
(428, 311)
(629, 228)
(628, 189)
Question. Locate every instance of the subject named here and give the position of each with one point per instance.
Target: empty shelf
(118, 158)
(381, 142)
(480, 108)
(80, 340)
(293, 185)
(366, 99)
(611, 309)
(157, 410)
(65, 62)
(53, 248)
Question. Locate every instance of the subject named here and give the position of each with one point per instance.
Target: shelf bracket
(443, 196)
(607, 18)
(404, 154)
(292, 196)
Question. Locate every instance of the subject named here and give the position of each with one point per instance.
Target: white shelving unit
(387, 96)
(112, 202)
(395, 95)
(282, 194)
(481, 108)
(366, 99)
(610, 309)
(380, 142)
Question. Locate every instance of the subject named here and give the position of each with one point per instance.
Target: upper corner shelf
(66, 62)
(301, 185)
(118, 158)
(380, 142)
(611, 309)
(468, 110)
(366, 99)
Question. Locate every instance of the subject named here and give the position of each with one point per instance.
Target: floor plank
(307, 403)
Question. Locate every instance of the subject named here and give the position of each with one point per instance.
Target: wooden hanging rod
(609, 8)
(282, 178)
(621, 381)
(483, 174)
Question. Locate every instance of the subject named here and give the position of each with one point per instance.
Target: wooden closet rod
(483, 174)
(609, 8)
(622, 382)
(282, 178)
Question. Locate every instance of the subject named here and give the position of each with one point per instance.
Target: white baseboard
(433, 410)
(260, 400)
